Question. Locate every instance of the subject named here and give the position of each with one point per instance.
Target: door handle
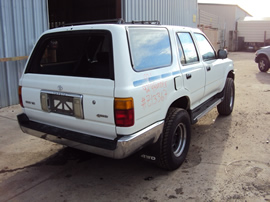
(208, 68)
(188, 76)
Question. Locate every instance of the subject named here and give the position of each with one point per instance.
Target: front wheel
(175, 140)
(263, 64)
(226, 106)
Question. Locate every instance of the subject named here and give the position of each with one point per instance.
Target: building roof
(255, 19)
(224, 4)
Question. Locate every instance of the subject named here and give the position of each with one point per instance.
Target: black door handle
(208, 68)
(188, 76)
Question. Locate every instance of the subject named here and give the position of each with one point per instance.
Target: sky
(257, 8)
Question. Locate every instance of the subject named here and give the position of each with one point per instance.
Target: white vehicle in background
(263, 58)
(114, 89)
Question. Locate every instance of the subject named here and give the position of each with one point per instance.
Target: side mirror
(222, 54)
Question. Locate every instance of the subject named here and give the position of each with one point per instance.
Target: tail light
(124, 112)
(20, 95)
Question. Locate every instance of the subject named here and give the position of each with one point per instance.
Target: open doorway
(69, 11)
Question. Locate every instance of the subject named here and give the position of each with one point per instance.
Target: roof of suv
(106, 25)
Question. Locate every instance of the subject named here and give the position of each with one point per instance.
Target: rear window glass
(82, 54)
(188, 47)
(150, 48)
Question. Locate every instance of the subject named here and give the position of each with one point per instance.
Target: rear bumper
(118, 148)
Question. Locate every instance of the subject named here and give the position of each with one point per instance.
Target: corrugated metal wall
(170, 12)
(214, 27)
(21, 23)
(208, 19)
(254, 30)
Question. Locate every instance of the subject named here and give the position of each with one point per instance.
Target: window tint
(150, 48)
(82, 54)
(206, 49)
(189, 49)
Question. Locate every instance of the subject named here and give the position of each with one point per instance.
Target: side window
(206, 49)
(181, 54)
(189, 49)
(150, 48)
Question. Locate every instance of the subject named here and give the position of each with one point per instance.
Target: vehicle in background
(262, 57)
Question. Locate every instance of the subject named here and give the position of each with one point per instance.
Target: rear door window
(150, 48)
(187, 48)
(81, 54)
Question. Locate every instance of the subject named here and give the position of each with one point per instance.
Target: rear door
(192, 69)
(69, 82)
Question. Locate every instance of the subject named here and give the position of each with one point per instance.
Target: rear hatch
(69, 82)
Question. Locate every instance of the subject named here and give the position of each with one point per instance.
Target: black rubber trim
(67, 134)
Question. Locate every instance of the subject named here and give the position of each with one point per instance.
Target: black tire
(263, 64)
(175, 139)
(226, 106)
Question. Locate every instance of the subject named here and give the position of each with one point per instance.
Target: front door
(214, 67)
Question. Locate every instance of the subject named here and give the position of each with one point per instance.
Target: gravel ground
(228, 158)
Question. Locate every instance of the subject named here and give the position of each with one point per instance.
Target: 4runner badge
(102, 116)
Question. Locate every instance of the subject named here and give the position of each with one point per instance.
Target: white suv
(114, 89)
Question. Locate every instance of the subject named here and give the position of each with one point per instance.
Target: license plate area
(62, 103)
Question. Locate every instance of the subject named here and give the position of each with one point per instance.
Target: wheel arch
(231, 74)
(263, 55)
(182, 102)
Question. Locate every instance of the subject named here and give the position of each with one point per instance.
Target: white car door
(214, 67)
(191, 67)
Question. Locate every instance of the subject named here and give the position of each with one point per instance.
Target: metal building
(226, 19)
(170, 12)
(255, 32)
(22, 22)
(214, 27)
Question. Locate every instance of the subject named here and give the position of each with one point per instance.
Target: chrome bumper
(118, 148)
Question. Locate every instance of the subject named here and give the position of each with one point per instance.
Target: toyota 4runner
(115, 88)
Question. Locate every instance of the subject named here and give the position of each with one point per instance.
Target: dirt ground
(228, 160)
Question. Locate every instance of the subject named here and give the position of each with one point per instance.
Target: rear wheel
(175, 140)
(226, 106)
(263, 64)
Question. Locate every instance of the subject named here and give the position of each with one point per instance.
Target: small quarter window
(189, 49)
(181, 52)
(150, 48)
(205, 47)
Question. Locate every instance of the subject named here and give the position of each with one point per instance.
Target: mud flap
(150, 153)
